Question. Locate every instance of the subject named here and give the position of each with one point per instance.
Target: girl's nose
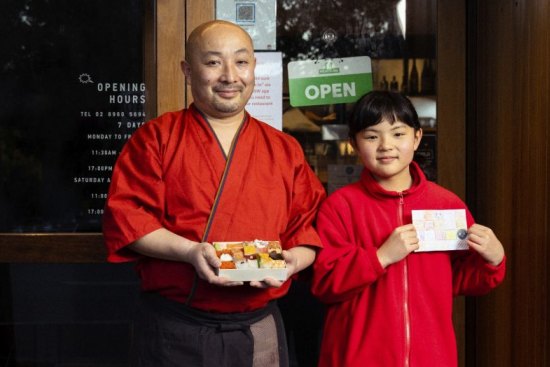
(384, 144)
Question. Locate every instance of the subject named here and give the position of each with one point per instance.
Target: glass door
(74, 87)
(399, 38)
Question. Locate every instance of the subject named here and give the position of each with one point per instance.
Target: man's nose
(229, 74)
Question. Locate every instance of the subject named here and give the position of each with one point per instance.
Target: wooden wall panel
(492, 181)
(198, 11)
(451, 121)
(530, 281)
(451, 90)
(510, 176)
(62, 248)
(170, 52)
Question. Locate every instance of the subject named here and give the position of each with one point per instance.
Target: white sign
(257, 17)
(441, 230)
(266, 103)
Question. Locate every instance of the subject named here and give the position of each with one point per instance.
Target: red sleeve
(343, 268)
(472, 275)
(480, 276)
(307, 195)
(134, 204)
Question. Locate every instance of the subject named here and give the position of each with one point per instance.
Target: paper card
(266, 102)
(440, 230)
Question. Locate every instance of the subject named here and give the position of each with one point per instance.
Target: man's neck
(225, 129)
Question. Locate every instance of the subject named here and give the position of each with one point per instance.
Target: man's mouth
(228, 90)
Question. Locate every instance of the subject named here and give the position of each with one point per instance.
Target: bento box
(251, 260)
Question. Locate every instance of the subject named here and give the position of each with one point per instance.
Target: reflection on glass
(398, 36)
(72, 91)
(328, 29)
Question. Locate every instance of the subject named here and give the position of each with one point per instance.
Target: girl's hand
(402, 241)
(482, 240)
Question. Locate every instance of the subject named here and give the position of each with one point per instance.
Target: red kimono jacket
(398, 316)
(168, 175)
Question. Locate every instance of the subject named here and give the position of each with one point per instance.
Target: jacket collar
(201, 117)
(374, 188)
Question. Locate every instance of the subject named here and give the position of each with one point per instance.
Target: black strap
(228, 161)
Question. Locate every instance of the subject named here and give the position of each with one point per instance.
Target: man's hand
(163, 244)
(296, 259)
(203, 258)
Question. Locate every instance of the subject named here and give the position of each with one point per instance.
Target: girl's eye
(370, 137)
(400, 132)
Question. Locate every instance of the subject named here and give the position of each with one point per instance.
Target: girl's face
(386, 150)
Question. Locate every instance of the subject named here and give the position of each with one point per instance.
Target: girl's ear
(353, 144)
(417, 137)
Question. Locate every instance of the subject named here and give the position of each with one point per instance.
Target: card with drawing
(441, 230)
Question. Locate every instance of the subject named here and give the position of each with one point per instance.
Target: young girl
(386, 304)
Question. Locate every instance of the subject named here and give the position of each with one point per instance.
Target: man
(205, 174)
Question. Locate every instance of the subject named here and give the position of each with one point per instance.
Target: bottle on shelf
(394, 85)
(405, 79)
(384, 85)
(427, 78)
(413, 80)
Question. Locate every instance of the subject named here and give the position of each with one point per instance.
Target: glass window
(72, 91)
(399, 38)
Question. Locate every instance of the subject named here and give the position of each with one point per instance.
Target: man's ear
(186, 69)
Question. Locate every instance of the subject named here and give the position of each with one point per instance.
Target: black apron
(169, 334)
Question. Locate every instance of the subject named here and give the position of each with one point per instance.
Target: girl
(386, 304)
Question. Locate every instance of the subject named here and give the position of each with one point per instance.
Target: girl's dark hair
(376, 106)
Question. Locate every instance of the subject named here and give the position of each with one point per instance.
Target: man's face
(220, 70)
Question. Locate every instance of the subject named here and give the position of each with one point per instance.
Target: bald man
(200, 175)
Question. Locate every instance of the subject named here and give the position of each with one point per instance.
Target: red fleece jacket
(401, 315)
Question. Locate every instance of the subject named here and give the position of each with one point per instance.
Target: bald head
(219, 67)
(197, 37)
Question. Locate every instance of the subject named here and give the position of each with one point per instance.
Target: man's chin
(228, 108)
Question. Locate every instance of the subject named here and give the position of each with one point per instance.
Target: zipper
(407, 320)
